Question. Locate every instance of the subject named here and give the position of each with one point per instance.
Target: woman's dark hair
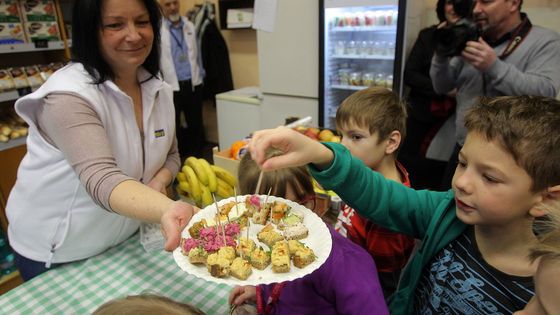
(463, 8)
(86, 22)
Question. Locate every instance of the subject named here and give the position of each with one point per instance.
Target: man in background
(511, 57)
(181, 67)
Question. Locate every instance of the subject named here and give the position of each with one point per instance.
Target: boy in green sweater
(476, 237)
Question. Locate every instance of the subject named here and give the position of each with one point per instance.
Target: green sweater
(425, 215)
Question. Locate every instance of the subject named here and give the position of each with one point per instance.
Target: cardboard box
(223, 160)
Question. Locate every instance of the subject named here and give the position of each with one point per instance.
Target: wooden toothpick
(259, 181)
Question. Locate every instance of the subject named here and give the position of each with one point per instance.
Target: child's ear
(393, 142)
(551, 195)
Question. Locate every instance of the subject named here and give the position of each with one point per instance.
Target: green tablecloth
(79, 288)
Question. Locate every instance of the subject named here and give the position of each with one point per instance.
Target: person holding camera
(428, 110)
(503, 54)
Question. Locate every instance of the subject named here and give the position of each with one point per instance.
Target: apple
(311, 134)
(325, 135)
(335, 139)
(300, 129)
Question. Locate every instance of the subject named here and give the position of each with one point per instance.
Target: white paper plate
(319, 240)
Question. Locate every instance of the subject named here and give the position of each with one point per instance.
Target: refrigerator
(361, 44)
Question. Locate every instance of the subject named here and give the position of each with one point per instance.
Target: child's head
(547, 296)
(293, 183)
(146, 304)
(528, 128)
(372, 123)
(509, 163)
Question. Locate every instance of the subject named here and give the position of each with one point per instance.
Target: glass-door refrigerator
(361, 44)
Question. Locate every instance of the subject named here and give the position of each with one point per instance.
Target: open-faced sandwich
(217, 266)
(296, 232)
(198, 255)
(259, 258)
(227, 252)
(280, 257)
(303, 257)
(269, 236)
(245, 246)
(240, 268)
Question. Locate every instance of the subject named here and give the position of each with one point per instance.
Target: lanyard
(274, 296)
(517, 37)
(180, 43)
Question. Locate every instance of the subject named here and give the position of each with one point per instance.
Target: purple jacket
(346, 283)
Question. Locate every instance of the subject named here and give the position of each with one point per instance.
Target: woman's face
(126, 34)
(450, 14)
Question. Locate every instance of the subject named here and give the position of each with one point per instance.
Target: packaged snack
(9, 11)
(45, 71)
(368, 79)
(56, 65)
(42, 31)
(6, 81)
(11, 33)
(356, 78)
(19, 77)
(38, 10)
(33, 76)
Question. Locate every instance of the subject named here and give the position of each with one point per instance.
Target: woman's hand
(242, 294)
(174, 220)
(298, 149)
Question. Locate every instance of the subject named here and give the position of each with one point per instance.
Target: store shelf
(371, 57)
(12, 143)
(9, 96)
(390, 28)
(30, 47)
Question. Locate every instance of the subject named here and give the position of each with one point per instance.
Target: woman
(428, 111)
(101, 144)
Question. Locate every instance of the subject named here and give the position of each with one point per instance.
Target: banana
(198, 169)
(212, 181)
(185, 187)
(224, 175)
(206, 195)
(224, 189)
(181, 177)
(194, 184)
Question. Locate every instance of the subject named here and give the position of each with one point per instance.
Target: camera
(452, 39)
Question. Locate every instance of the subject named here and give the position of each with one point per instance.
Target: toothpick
(265, 202)
(218, 220)
(235, 196)
(259, 181)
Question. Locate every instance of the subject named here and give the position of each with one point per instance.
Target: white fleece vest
(51, 216)
(166, 62)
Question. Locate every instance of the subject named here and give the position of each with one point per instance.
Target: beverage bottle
(7, 264)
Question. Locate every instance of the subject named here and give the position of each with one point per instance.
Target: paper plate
(319, 240)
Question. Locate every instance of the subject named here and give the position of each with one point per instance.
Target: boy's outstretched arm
(298, 149)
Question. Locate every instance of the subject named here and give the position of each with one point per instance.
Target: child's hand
(298, 149)
(242, 294)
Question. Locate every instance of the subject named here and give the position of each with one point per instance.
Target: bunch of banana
(199, 179)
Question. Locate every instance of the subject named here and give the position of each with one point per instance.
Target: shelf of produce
(390, 28)
(374, 57)
(12, 143)
(9, 96)
(30, 47)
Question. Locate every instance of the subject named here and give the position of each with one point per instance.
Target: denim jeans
(29, 269)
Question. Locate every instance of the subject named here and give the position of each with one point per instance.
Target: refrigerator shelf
(371, 57)
(351, 87)
(389, 28)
